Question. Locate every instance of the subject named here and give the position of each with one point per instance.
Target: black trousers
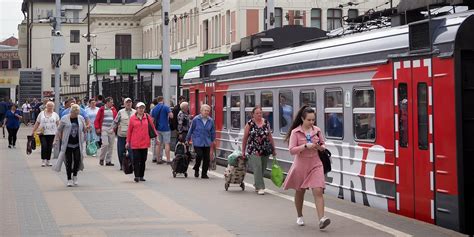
(139, 161)
(46, 146)
(202, 154)
(73, 160)
(12, 136)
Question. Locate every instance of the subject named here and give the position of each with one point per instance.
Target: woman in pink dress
(307, 172)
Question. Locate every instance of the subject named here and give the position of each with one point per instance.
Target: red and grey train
(396, 104)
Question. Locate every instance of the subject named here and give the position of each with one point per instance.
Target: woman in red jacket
(138, 139)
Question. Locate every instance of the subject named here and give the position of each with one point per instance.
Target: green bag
(277, 173)
(232, 158)
(91, 148)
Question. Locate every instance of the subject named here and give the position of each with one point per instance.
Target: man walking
(161, 114)
(104, 128)
(121, 123)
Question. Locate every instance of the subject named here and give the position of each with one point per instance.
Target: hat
(139, 104)
(127, 99)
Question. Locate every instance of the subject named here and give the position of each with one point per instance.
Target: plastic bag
(232, 158)
(91, 148)
(37, 141)
(277, 173)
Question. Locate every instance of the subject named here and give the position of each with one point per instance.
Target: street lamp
(94, 52)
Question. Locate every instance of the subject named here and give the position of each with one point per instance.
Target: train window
(235, 111)
(403, 114)
(422, 116)
(308, 97)
(266, 99)
(333, 113)
(286, 110)
(224, 109)
(364, 114)
(249, 104)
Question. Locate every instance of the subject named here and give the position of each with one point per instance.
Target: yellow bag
(37, 140)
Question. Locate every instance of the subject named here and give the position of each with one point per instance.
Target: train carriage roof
(357, 49)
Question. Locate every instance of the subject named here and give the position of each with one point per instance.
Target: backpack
(174, 121)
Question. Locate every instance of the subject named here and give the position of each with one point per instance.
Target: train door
(413, 138)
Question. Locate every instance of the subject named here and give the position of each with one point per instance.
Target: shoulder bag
(325, 157)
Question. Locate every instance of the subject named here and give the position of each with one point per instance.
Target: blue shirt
(162, 123)
(12, 120)
(67, 111)
(203, 135)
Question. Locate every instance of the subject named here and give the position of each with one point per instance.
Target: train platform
(34, 201)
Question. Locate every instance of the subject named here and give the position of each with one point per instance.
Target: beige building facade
(9, 65)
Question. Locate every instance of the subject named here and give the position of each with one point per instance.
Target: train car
(396, 105)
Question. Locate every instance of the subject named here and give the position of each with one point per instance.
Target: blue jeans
(121, 141)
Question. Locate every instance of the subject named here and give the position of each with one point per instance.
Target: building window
(16, 64)
(278, 17)
(74, 36)
(3, 64)
(235, 111)
(52, 80)
(123, 46)
(227, 27)
(333, 111)
(74, 59)
(205, 35)
(352, 13)
(286, 110)
(316, 18)
(266, 99)
(364, 114)
(334, 19)
(74, 80)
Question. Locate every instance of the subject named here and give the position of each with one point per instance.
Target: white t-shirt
(48, 123)
(26, 108)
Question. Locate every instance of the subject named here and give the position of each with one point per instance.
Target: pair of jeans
(12, 135)
(73, 160)
(46, 146)
(259, 165)
(202, 154)
(139, 161)
(121, 141)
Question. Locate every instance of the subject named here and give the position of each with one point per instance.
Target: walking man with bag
(104, 128)
(121, 124)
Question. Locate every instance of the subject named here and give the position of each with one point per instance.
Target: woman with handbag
(258, 145)
(140, 131)
(12, 122)
(306, 172)
(47, 121)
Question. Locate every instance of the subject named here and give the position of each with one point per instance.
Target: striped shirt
(108, 119)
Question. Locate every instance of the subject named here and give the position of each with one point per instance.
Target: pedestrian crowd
(96, 122)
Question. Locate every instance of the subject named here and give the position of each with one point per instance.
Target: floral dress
(258, 142)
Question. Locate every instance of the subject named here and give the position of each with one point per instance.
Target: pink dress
(307, 169)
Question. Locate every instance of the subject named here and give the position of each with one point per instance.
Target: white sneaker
(261, 192)
(324, 222)
(74, 180)
(69, 183)
(48, 163)
(43, 164)
(300, 221)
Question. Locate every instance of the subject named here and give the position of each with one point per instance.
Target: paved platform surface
(34, 201)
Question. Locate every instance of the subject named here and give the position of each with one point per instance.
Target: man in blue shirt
(161, 115)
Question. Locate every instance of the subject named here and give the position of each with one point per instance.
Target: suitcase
(235, 174)
(180, 162)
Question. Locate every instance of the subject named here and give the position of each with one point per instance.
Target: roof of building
(116, 9)
(11, 41)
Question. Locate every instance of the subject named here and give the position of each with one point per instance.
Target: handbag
(325, 157)
(213, 164)
(29, 144)
(127, 164)
(151, 131)
(277, 173)
(37, 141)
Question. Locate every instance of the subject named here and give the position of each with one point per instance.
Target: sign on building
(30, 84)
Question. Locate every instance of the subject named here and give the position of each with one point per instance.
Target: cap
(139, 104)
(127, 99)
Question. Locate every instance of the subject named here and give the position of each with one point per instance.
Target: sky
(10, 17)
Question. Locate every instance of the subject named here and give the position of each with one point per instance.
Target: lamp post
(94, 52)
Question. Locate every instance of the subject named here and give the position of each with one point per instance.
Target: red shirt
(137, 135)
